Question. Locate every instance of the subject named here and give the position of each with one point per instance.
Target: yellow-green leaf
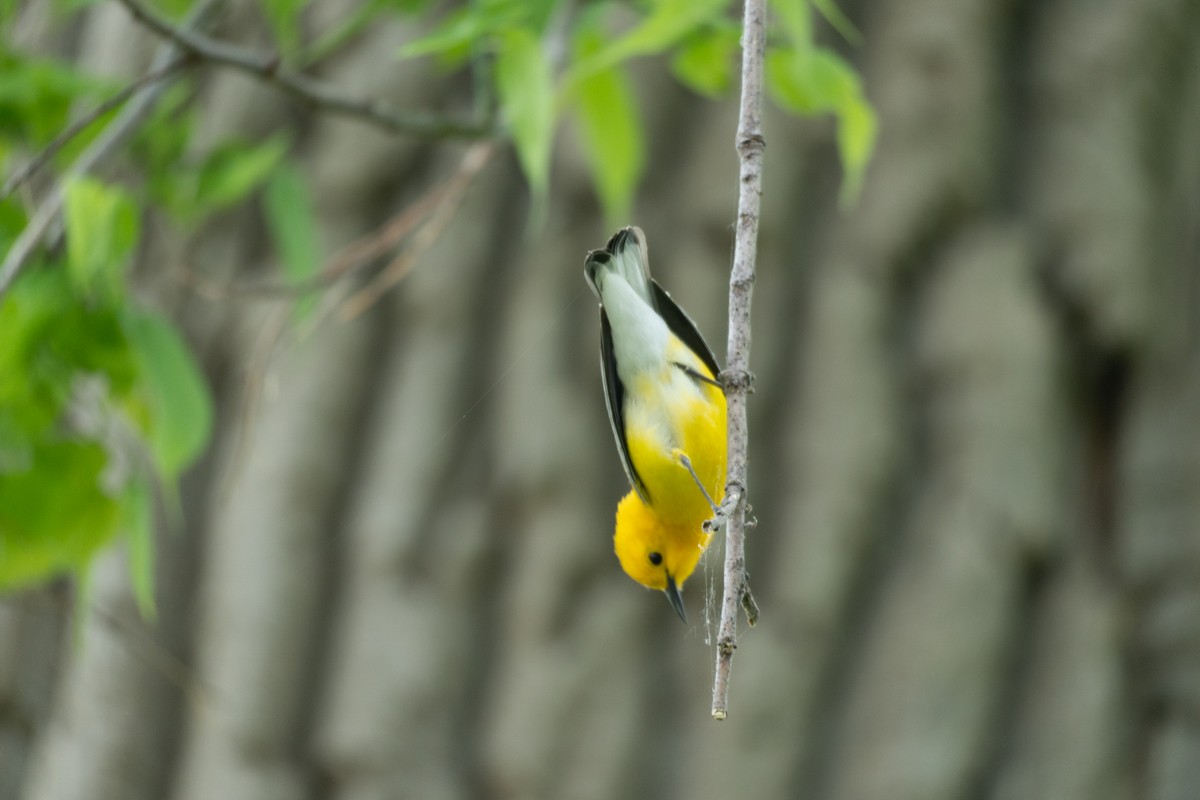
(813, 81)
(237, 168)
(102, 229)
(818, 81)
(288, 207)
(612, 140)
(54, 515)
(455, 32)
(284, 16)
(665, 26)
(178, 397)
(857, 128)
(705, 63)
(525, 88)
(795, 19)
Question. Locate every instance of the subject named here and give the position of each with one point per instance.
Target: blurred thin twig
(449, 197)
(435, 208)
(132, 633)
(345, 263)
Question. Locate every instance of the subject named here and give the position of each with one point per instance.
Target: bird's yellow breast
(669, 414)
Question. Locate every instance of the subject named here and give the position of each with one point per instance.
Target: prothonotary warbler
(667, 412)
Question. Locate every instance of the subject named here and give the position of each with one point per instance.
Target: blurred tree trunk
(975, 464)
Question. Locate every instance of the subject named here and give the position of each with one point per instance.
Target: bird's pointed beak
(676, 597)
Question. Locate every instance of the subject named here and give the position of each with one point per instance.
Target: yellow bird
(667, 412)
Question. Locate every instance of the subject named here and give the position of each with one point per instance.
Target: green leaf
(102, 229)
(611, 134)
(175, 391)
(31, 398)
(705, 63)
(160, 149)
(456, 32)
(813, 81)
(404, 6)
(795, 19)
(36, 96)
(284, 18)
(525, 88)
(478, 22)
(288, 208)
(350, 25)
(857, 129)
(137, 508)
(175, 10)
(817, 81)
(50, 338)
(668, 23)
(54, 515)
(13, 219)
(235, 169)
(533, 15)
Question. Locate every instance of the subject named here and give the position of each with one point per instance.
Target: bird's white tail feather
(631, 261)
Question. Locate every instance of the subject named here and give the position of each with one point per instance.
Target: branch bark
(737, 377)
(302, 87)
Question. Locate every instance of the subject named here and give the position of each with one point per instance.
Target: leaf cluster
(102, 404)
(547, 68)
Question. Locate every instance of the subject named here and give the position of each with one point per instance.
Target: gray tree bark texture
(974, 463)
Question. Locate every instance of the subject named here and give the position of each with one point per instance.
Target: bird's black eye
(656, 558)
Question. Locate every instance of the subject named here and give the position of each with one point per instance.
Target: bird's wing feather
(614, 398)
(682, 326)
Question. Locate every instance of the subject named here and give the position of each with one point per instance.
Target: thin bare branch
(436, 208)
(78, 126)
(737, 378)
(131, 633)
(345, 263)
(302, 87)
(138, 640)
(265, 345)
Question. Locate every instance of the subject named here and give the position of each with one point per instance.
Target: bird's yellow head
(656, 555)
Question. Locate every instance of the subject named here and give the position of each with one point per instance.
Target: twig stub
(753, 141)
(737, 381)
